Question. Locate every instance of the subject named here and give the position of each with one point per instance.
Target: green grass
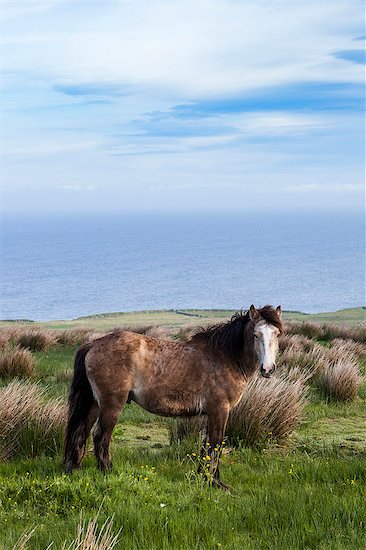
(308, 494)
(278, 500)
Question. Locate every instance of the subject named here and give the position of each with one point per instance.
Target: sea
(67, 266)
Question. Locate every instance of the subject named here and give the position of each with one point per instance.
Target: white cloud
(187, 49)
(167, 54)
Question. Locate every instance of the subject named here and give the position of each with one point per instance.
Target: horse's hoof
(68, 468)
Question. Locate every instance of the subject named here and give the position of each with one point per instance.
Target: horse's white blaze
(266, 344)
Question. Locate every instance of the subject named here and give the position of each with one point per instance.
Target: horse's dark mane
(229, 339)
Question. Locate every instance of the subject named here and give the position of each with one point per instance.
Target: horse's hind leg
(81, 436)
(102, 433)
(92, 418)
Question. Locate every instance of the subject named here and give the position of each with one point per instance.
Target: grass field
(176, 318)
(306, 493)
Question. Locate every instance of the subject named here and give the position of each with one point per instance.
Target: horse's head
(267, 327)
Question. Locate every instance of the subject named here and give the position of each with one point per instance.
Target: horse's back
(129, 365)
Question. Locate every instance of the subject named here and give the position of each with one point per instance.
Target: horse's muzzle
(267, 373)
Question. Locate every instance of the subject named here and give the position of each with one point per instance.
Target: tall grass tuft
(89, 538)
(30, 424)
(328, 331)
(72, 337)
(306, 328)
(304, 355)
(22, 542)
(268, 410)
(356, 333)
(16, 362)
(36, 339)
(341, 380)
(350, 346)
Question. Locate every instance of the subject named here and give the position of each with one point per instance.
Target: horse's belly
(168, 404)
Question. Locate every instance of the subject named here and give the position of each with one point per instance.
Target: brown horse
(203, 375)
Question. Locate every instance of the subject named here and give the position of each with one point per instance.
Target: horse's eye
(255, 336)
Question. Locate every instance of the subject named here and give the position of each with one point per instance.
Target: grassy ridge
(176, 318)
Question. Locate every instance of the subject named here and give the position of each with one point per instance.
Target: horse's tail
(80, 401)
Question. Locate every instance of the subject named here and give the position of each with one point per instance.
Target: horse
(204, 375)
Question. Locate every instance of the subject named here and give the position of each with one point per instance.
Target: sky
(181, 105)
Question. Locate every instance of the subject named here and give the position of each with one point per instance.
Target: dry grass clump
(297, 341)
(341, 380)
(96, 335)
(158, 332)
(36, 339)
(154, 331)
(29, 424)
(22, 542)
(88, 537)
(72, 337)
(16, 362)
(268, 409)
(4, 341)
(310, 359)
(308, 329)
(356, 333)
(349, 346)
(9, 335)
(328, 331)
(186, 332)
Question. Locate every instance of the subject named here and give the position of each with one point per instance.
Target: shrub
(29, 424)
(341, 380)
(16, 362)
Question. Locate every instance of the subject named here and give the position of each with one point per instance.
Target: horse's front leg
(211, 450)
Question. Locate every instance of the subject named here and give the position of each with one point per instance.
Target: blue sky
(113, 106)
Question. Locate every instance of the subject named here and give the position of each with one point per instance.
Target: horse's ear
(279, 311)
(253, 313)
